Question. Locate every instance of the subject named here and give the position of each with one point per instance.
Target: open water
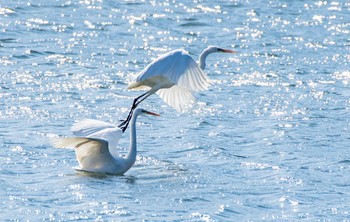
(269, 140)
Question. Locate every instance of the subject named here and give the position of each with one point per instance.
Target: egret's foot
(123, 125)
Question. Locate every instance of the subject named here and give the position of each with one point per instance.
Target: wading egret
(174, 76)
(93, 154)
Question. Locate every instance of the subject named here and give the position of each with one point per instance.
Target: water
(268, 141)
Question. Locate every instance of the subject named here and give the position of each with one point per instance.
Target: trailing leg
(124, 125)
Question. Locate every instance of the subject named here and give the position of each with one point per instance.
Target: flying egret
(93, 154)
(174, 76)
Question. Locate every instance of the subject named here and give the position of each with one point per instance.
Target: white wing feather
(92, 154)
(179, 68)
(177, 97)
(98, 129)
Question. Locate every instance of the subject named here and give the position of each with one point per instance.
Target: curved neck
(202, 58)
(131, 157)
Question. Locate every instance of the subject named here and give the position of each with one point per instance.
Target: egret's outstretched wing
(98, 129)
(193, 78)
(85, 127)
(177, 97)
(91, 153)
(178, 68)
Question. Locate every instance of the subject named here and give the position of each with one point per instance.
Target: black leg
(124, 124)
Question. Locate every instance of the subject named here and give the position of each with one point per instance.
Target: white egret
(174, 76)
(93, 154)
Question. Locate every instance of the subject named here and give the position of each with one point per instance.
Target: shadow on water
(104, 177)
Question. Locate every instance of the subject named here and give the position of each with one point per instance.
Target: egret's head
(139, 111)
(211, 49)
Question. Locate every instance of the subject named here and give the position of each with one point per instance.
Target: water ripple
(265, 142)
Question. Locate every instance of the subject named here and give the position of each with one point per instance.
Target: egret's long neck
(202, 58)
(131, 157)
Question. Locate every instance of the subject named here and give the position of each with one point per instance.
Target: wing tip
(179, 98)
(57, 142)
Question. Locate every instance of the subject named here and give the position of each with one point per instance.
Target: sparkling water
(268, 141)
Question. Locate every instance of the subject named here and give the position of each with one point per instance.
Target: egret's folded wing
(98, 129)
(177, 97)
(90, 152)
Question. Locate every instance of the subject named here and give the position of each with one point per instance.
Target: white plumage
(93, 154)
(98, 129)
(177, 74)
(174, 76)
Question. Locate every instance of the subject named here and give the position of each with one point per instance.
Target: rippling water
(268, 141)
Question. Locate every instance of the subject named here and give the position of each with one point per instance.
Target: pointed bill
(151, 113)
(228, 50)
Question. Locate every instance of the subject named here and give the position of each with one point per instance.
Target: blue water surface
(268, 141)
